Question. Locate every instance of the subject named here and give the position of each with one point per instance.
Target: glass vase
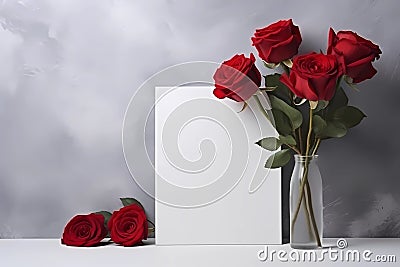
(306, 204)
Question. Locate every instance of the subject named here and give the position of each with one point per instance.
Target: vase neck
(302, 159)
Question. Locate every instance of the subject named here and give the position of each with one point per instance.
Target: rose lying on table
(84, 230)
(127, 226)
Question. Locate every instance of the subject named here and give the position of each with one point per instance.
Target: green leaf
(333, 129)
(269, 143)
(272, 80)
(107, 216)
(282, 122)
(278, 159)
(130, 201)
(321, 105)
(340, 99)
(353, 86)
(280, 90)
(350, 116)
(319, 124)
(293, 114)
(288, 140)
(349, 82)
(273, 143)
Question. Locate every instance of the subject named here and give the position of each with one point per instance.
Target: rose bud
(358, 53)
(314, 76)
(237, 78)
(277, 42)
(84, 230)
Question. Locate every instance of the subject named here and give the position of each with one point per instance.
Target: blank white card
(211, 186)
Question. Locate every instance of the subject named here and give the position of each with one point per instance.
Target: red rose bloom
(358, 53)
(84, 230)
(314, 76)
(128, 226)
(278, 41)
(237, 78)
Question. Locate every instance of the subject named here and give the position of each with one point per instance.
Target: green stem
(301, 195)
(266, 116)
(310, 232)
(260, 106)
(297, 135)
(316, 146)
(310, 209)
(300, 140)
(304, 182)
(294, 149)
(304, 178)
(311, 212)
(309, 133)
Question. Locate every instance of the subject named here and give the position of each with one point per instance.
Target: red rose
(128, 226)
(314, 76)
(358, 53)
(237, 78)
(278, 41)
(84, 230)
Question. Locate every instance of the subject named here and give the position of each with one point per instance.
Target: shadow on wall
(360, 170)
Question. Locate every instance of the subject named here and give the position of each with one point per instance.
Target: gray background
(68, 69)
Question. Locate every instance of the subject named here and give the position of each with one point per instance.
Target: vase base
(303, 246)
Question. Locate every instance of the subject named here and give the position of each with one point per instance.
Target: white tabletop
(49, 252)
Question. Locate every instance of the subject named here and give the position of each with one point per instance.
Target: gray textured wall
(69, 67)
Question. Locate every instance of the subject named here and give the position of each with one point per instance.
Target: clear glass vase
(306, 206)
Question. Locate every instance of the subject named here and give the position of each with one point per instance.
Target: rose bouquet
(308, 105)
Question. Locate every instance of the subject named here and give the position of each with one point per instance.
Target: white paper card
(211, 184)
